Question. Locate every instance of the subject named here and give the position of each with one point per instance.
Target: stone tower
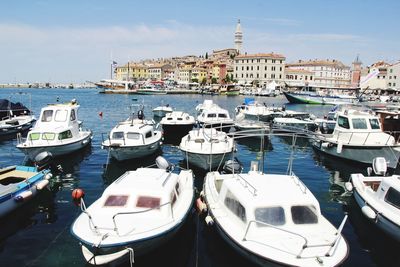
(238, 37)
(356, 72)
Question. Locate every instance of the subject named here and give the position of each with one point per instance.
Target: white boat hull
(381, 221)
(203, 161)
(57, 150)
(363, 154)
(121, 153)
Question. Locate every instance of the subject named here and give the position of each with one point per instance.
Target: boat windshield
(134, 136)
(47, 115)
(359, 123)
(374, 124)
(393, 197)
(270, 215)
(148, 202)
(61, 115)
(118, 135)
(304, 214)
(343, 122)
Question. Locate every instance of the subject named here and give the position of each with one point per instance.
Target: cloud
(276, 21)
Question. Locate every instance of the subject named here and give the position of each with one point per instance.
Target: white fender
(348, 186)
(42, 184)
(23, 195)
(368, 212)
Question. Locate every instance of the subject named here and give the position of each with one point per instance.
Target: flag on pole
(114, 64)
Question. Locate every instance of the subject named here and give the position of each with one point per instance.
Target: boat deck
(16, 173)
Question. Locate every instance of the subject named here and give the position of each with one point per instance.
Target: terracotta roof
(260, 55)
(318, 62)
(289, 70)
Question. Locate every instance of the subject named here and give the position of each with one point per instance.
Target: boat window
(199, 140)
(148, 202)
(304, 214)
(374, 124)
(118, 135)
(169, 119)
(134, 136)
(47, 115)
(343, 122)
(116, 201)
(48, 136)
(393, 197)
(61, 115)
(270, 215)
(359, 123)
(179, 119)
(212, 115)
(235, 206)
(148, 134)
(222, 115)
(34, 136)
(73, 116)
(65, 135)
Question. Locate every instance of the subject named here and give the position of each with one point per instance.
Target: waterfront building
(158, 71)
(382, 75)
(224, 54)
(131, 72)
(298, 77)
(259, 68)
(327, 73)
(238, 38)
(393, 76)
(199, 74)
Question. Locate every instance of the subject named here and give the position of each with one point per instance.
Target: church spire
(238, 37)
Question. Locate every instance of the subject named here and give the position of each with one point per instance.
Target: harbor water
(39, 233)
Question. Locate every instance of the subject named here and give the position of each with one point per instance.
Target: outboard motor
(162, 163)
(43, 160)
(379, 166)
(232, 166)
(140, 115)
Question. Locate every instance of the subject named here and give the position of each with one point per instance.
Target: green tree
(206, 55)
(195, 80)
(214, 80)
(227, 78)
(204, 81)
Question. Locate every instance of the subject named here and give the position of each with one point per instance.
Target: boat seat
(17, 173)
(373, 184)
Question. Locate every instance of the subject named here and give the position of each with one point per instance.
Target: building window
(258, 67)
(280, 76)
(247, 68)
(257, 75)
(265, 67)
(273, 61)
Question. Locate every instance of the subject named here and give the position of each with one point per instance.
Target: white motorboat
(259, 112)
(378, 197)
(177, 124)
(14, 118)
(137, 213)
(18, 185)
(216, 117)
(272, 219)
(294, 125)
(57, 131)
(207, 104)
(161, 111)
(207, 148)
(250, 128)
(133, 138)
(358, 136)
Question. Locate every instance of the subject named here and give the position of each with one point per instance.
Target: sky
(75, 40)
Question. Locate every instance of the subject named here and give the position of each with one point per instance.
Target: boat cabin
(56, 122)
(137, 133)
(247, 200)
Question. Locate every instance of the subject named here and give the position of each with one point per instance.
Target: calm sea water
(39, 233)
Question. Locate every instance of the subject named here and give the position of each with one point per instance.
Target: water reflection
(254, 144)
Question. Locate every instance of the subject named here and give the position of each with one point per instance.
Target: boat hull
(121, 153)
(387, 226)
(362, 154)
(57, 150)
(7, 131)
(207, 161)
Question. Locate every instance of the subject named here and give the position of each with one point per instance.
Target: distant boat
(57, 131)
(14, 118)
(307, 97)
(133, 138)
(161, 111)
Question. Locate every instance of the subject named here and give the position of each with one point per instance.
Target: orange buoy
(77, 195)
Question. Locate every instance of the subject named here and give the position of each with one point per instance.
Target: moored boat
(378, 197)
(137, 213)
(176, 125)
(57, 131)
(19, 184)
(272, 219)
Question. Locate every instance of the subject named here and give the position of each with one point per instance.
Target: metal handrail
(138, 212)
(248, 184)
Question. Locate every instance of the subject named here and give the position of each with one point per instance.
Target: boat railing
(332, 246)
(247, 185)
(343, 135)
(139, 212)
